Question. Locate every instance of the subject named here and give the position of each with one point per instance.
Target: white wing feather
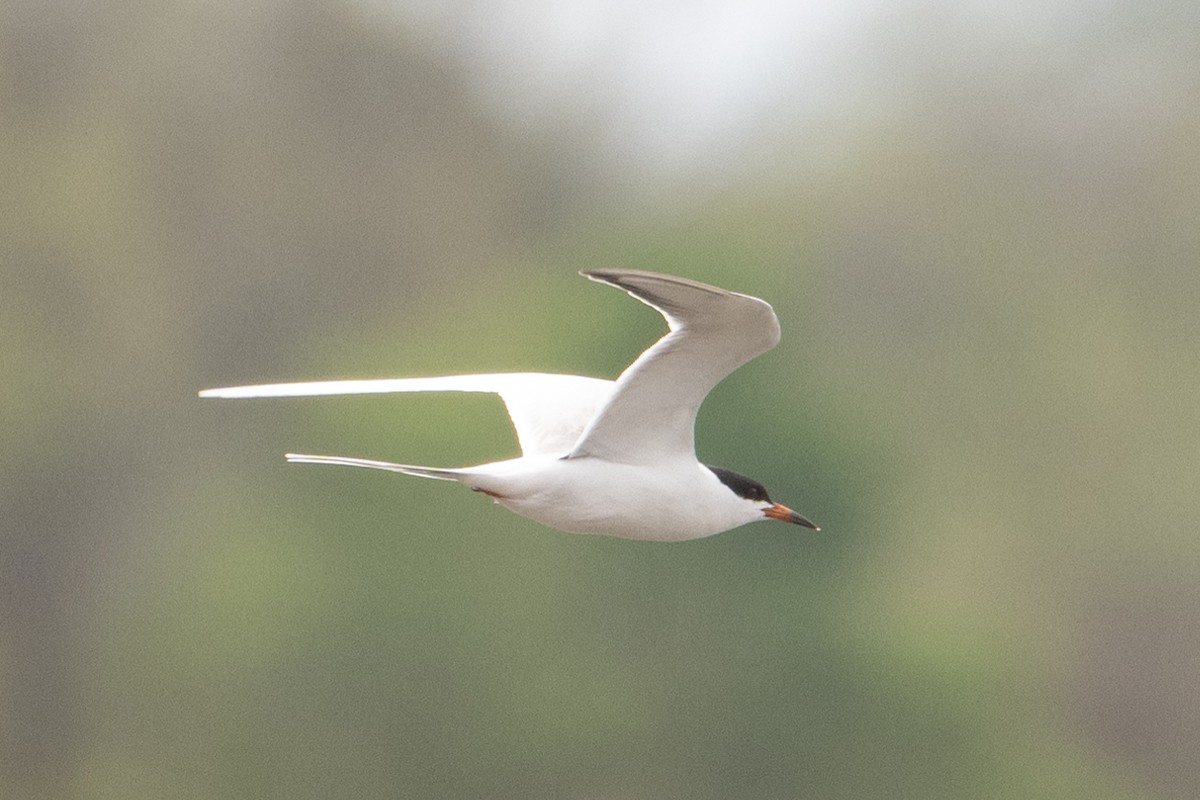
(548, 411)
(651, 414)
(647, 415)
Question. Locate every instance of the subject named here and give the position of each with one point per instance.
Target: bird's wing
(548, 411)
(651, 414)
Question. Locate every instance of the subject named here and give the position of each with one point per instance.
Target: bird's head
(755, 493)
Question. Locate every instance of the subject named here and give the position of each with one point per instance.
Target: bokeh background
(978, 224)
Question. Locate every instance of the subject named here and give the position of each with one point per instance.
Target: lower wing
(548, 411)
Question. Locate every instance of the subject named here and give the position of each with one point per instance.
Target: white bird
(600, 456)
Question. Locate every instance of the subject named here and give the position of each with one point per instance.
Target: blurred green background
(979, 229)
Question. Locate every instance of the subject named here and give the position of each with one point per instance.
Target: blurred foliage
(986, 395)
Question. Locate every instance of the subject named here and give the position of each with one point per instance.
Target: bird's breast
(587, 495)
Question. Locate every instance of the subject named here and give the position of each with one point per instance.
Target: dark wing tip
(655, 288)
(629, 278)
(613, 277)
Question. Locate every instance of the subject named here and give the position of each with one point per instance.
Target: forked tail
(407, 469)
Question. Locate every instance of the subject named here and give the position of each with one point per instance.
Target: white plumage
(608, 457)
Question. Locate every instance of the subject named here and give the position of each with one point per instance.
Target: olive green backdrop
(985, 264)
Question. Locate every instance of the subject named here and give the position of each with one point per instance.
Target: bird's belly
(627, 501)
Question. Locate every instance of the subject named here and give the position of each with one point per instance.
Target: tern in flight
(601, 456)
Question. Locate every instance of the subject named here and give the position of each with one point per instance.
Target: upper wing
(651, 414)
(548, 411)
